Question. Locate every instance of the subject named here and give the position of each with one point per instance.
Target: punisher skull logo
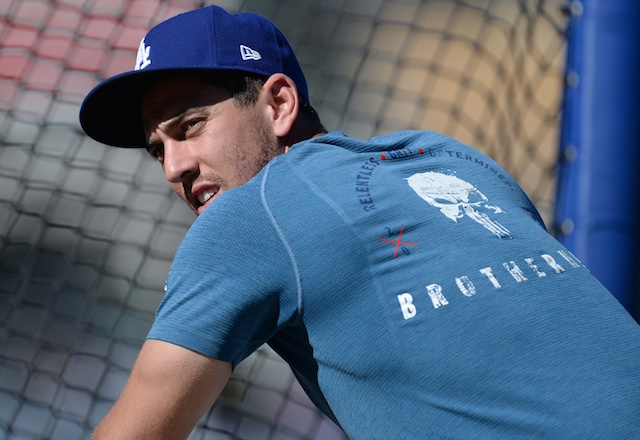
(456, 198)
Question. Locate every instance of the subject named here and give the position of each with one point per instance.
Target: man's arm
(170, 388)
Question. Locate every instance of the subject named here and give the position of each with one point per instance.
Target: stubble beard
(246, 168)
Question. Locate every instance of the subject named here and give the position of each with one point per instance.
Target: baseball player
(407, 279)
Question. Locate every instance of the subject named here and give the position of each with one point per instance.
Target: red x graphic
(398, 242)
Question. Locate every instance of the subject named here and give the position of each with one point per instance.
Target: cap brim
(110, 113)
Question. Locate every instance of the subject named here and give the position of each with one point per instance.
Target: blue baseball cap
(206, 39)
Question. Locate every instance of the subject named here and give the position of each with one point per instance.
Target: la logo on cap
(142, 59)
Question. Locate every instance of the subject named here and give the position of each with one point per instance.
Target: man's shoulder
(336, 143)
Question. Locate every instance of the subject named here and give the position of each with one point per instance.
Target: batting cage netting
(87, 233)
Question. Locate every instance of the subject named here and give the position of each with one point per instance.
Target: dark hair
(245, 89)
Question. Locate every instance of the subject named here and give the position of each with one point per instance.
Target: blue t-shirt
(412, 287)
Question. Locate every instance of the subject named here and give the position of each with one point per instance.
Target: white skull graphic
(456, 198)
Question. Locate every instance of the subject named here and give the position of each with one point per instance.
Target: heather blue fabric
(413, 289)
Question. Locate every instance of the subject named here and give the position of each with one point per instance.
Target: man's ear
(282, 98)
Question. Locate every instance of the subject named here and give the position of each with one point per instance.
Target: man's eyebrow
(178, 119)
(173, 122)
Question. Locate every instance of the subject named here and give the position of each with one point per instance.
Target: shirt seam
(281, 236)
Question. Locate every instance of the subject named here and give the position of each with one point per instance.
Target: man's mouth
(205, 195)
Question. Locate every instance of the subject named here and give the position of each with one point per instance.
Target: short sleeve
(231, 286)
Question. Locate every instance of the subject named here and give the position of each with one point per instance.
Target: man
(407, 280)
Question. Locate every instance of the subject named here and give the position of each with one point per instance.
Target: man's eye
(156, 151)
(192, 124)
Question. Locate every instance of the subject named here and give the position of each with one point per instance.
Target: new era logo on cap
(249, 54)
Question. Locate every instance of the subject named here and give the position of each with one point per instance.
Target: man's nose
(179, 163)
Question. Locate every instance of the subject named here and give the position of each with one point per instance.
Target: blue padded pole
(598, 199)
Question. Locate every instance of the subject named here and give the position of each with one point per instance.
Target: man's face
(205, 142)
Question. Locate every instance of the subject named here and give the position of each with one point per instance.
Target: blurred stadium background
(87, 233)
